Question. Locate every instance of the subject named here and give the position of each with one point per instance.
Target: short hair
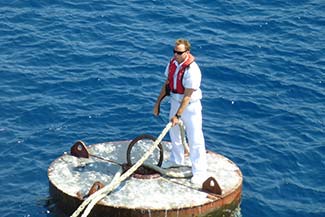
(185, 42)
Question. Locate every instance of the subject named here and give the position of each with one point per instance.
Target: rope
(182, 131)
(94, 198)
(97, 193)
(114, 183)
(168, 173)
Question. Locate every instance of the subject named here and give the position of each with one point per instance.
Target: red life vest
(171, 71)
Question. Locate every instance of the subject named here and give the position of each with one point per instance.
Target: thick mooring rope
(97, 196)
(171, 174)
(182, 131)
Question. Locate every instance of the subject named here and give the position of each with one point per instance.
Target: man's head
(181, 49)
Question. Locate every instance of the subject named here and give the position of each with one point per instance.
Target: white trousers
(192, 119)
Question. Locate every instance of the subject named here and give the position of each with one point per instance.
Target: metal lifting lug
(95, 187)
(211, 186)
(79, 149)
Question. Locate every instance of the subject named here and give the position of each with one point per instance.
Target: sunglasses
(179, 52)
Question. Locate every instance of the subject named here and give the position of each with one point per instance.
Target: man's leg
(193, 122)
(177, 152)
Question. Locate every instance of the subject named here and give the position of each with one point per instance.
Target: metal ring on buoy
(143, 137)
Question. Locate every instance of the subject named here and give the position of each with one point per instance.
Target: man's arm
(162, 95)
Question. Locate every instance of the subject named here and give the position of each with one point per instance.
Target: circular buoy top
(75, 176)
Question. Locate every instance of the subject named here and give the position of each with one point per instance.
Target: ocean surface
(91, 71)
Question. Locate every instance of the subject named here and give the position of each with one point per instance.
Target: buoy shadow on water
(71, 179)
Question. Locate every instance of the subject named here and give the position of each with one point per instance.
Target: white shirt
(191, 79)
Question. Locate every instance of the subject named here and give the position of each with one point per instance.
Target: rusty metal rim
(232, 198)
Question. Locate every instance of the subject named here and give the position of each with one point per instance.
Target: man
(183, 81)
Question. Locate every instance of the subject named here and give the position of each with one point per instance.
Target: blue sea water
(91, 70)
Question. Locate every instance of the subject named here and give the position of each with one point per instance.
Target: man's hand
(156, 109)
(174, 120)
